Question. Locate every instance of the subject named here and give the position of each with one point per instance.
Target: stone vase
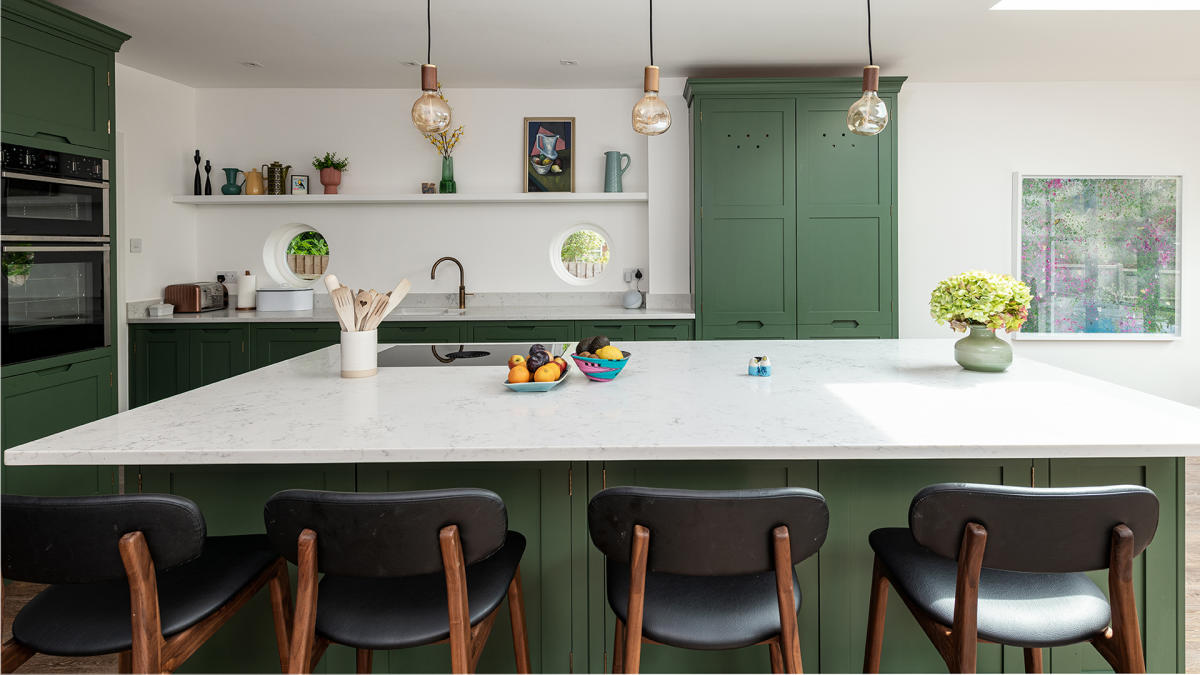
(982, 351)
(331, 178)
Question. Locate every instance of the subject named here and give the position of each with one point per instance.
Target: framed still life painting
(549, 154)
(1101, 255)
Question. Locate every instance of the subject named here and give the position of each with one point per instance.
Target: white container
(284, 299)
(360, 353)
(161, 309)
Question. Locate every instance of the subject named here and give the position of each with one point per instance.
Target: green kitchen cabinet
(522, 331)
(613, 330)
(160, 364)
(431, 332)
(57, 69)
(794, 216)
(635, 330)
(216, 353)
(664, 330)
(272, 343)
(44, 402)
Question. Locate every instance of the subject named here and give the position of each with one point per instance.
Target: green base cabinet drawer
(750, 330)
(430, 332)
(272, 344)
(525, 331)
(613, 330)
(664, 330)
(843, 330)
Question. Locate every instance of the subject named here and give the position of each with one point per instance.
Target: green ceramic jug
(231, 186)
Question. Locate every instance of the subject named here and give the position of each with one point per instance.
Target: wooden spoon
(362, 303)
(376, 313)
(343, 303)
(397, 294)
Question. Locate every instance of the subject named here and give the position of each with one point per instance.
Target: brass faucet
(462, 287)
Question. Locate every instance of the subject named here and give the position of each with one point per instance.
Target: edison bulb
(868, 115)
(430, 114)
(651, 116)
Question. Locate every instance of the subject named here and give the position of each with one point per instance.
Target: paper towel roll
(246, 289)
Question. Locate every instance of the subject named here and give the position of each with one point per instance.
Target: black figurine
(196, 182)
(207, 182)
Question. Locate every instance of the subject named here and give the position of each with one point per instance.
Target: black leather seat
(399, 612)
(90, 619)
(132, 574)
(726, 612)
(1024, 609)
(706, 569)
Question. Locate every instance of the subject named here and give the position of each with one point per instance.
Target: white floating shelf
(410, 198)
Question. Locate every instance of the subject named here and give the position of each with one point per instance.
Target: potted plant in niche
(308, 255)
(979, 303)
(331, 168)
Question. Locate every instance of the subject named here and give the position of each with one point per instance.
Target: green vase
(982, 351)
(447, 186)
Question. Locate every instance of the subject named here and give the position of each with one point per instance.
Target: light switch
(135, 245)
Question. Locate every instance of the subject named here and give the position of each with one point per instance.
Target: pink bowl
(600, 370)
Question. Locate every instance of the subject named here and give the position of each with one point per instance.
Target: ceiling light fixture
(430, 114)
(868, 115)
(651, 116)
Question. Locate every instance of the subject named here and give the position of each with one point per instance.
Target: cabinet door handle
(756, 325)
(521, 327)
(55, 370)
(844, 323)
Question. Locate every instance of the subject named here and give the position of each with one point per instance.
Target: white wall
(961, 143)
(504, 247)
(156, 127)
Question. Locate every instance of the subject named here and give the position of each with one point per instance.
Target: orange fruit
(518, 373)
(547, 373)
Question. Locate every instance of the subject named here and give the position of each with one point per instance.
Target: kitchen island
(867, 423)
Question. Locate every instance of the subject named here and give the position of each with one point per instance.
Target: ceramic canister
(360, 353)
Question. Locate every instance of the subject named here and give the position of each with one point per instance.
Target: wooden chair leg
(304, 627)
(619, 648)
(789, 635)
(281, 611)
(1126, 633)
(125, 662)
(516, 617)
(776, 656)
(632, 656)
(362, 660)
(143, 604)
(1033, 660)
(876, 618)
(964, 632)
(13, 654)
(456, 596)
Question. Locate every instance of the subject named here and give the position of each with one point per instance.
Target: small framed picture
(549, 148)
(299, 184)
(428, 188)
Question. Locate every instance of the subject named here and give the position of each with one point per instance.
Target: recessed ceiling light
(569, 62)
(1099, 5)
(252, 64)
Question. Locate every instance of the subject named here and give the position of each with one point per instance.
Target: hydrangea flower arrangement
(993, 300)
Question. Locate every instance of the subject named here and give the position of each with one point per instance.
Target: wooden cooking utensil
(331, 282)
(362, 303)
(376, 313)
(343, 303)
(396, 295)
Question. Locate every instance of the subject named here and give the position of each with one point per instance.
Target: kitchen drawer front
(843, 330)
(430, 332)
(613, 330)
(272, 344)
(664, 330)
(523, 331)
(749, 330)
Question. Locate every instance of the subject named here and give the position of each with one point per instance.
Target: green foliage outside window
(308, 243)
(585, 246)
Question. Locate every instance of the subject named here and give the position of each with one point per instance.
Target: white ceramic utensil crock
(360, 353)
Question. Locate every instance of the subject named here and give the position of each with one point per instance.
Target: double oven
(54, 237)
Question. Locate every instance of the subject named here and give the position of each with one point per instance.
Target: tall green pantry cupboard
(794, 216)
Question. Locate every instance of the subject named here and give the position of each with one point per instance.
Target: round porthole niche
(580, 256)
(296, 255)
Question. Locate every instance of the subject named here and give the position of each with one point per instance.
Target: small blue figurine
(760, 366)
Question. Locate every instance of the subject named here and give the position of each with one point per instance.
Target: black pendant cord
(429, 32)
(651, 32)
(870, 50)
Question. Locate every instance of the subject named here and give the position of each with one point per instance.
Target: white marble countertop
(501, 313)
(881, 399)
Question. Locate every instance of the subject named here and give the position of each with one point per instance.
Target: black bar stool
(130, 574)
(1005, 564)
(402, 569)
(706, 569)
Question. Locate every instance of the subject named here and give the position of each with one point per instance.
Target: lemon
(610, 353)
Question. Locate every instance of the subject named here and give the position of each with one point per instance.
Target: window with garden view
(584, 254)
(308, 255)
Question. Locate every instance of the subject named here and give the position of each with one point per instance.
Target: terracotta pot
(331, 179)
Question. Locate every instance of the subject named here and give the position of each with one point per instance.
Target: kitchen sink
(429, 311)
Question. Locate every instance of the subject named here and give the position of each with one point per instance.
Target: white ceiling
(509, 43)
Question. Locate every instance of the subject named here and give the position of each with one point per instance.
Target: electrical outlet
(629, 274)
(230, 276)
(135, 245)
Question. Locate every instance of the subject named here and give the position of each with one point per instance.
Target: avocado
(597, 343)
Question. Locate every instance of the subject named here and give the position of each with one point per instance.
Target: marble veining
(885, 399)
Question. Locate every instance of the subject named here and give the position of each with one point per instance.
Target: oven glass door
(37, 206)
(53, 300)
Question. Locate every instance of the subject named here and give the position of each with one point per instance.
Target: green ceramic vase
(447, 186)
(982, 351)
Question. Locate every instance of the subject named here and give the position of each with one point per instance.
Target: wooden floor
(17, 594)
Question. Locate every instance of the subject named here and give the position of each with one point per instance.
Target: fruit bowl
(535, 386)
(600, 370)
(542, 169)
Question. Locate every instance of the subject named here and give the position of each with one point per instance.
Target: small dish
(535, 386)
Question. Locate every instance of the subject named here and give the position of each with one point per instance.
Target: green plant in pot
(980, 303)
(331, 167)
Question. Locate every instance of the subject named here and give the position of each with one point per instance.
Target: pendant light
(651, 116)
(430, 114)
(868, 115)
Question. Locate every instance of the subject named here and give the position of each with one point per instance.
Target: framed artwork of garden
(1101, 255)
